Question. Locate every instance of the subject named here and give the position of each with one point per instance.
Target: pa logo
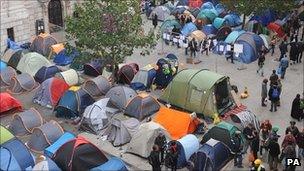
(293, 162)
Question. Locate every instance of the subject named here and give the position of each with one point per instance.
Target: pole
(216, 64)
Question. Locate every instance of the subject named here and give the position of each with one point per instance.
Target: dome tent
(6, 75)
(23, 123)
(22, 83)
(42, 44)
(114, 164)
(127, 72)
(8, 102)
(232, 37)
(143, 79)
(3, 65)
(120, 96)
(12, 57)
(51, 150)
(93, 68)
(69, 76)
(46, 72)
(242, 119)
(97, 86)
(188, 28)
(233, 19)
(5, 135)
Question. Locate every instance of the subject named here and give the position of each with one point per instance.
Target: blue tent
(250, 53)
(220, 8)
(233, 20)
(258, 42)
(209, 29)
(186, 146)
(3, 65)
(265, 17)
(45, 73)
(51, 150)
(178, 10)
(143, 79)
(188, 28)
(218, 22)
(63, 58)
(207, 5)
(231, 38)
(47, 164)
(113, 164)
(14, 155)
(73, 103)
(212, 155)
(182, 3)
(211, 14)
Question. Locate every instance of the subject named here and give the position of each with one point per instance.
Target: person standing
(161, 141)
(296, 111)
(274, 97)
(174, 156)
(300, 143)
(273, 78)
(292, 128)
(155, 20)
(258, 166)
(265, 129)
(293, 52)
(300, 51)
(154, 159)
(283, 49)
(274, 152)
(261, 61)
(264, 92)
(237, 145)
(248, 133)
(193, 47)
(284, 63)
(272, 44)
(289, 152)
(255, 144)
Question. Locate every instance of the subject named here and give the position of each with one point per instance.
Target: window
(11, 34)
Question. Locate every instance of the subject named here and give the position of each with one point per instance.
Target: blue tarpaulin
(265, 17)
(188, 28)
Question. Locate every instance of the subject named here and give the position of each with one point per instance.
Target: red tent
(7, 102)
(195, 3)
(276, 28)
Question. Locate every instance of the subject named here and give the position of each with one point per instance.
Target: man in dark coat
(193, 47)
(293, 129)
(273, 78)
(248, 133)
(154, 20)
(300, 51)
(289, 152)
(296, 111)
(293, 51)
(300, 143)
(255, 144)
(274, 151)
(161, 142)
(237, 145)
(283, 49)
(154, 159)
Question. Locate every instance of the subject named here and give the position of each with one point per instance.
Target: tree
(108, 29)
(247, 7)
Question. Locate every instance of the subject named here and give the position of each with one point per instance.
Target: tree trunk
(244, 20)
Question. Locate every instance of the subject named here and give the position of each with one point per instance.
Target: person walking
(237, 145)
(300, 51)
(265, 129)
(248, 133)
(258, 166)
(296, 111)
(264, 92)
(283, 49)
(273, 78)
(274, 97)
(154, 159)
(272, 44)
(161, 141)
(293, 52)
(274, 152)
(261, 61)
(155, 20)
(284, 63)
(193, 47)
(300, 143)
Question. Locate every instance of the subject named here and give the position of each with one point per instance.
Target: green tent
(5, 135)
(200, 91)
(169, 24)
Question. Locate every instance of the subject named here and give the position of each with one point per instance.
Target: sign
(238, 48)
(228, 47)
(164, 35)
(293, 162)
(221, 48)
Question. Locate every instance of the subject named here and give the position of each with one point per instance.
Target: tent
(113, 164)
(219, 22)
(64, 58)
(79, 154)
(120, 132)
(46, 72)
(195, 4)
(164, 73)
(231, 38)
(220, 48)
(205, 92)
(194, 11)
(144, 139)
(198, 35)
(23, 123)
(209, 29)
(212, 155)
(143, 79)
(12, 57)
(188, 29)
(69, 76)
(162, 13)
(169, 24)
(250, 51)
(142, 106)
(266, 40)
(5, 135)
(265, 17)
(277, 29)
(95, 117)
(207, 5)
(222, 132)
(170, 118)
(15, 156)
(6, 75)
(50, 91)
(97, 86)
(31, 62)
(8, 102)
(127, 72)
(46, 165)
(44, 136)
(93, 68)
(178, 10)
(220, 8)
(211, 14)
(242, 119)
(73, 103)
(22, 83)
(3, 65)
(186, 146)
(51, 150)
(12, 44)
(233, 20)
(42, 44)
(223, 32)
(120, 96)
(56, 49)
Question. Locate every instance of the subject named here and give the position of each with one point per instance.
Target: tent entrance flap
(223, 100)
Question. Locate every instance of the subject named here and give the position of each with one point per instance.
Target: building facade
(20, 20)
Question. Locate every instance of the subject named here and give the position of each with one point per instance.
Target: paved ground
(292, 84)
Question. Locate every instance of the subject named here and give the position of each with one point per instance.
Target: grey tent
(6, 75)
(95, 117)
(24, 122)
(12, 57)
(44, 136)
(97, 86)
(142, 106)
(42, 44)
(119, 131)
(22, 83)
(144, 139)
(242, 119)
(120, 96)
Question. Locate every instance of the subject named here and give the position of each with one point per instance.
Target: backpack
(275, 93)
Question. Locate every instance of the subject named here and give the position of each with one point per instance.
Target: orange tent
(177, 124)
